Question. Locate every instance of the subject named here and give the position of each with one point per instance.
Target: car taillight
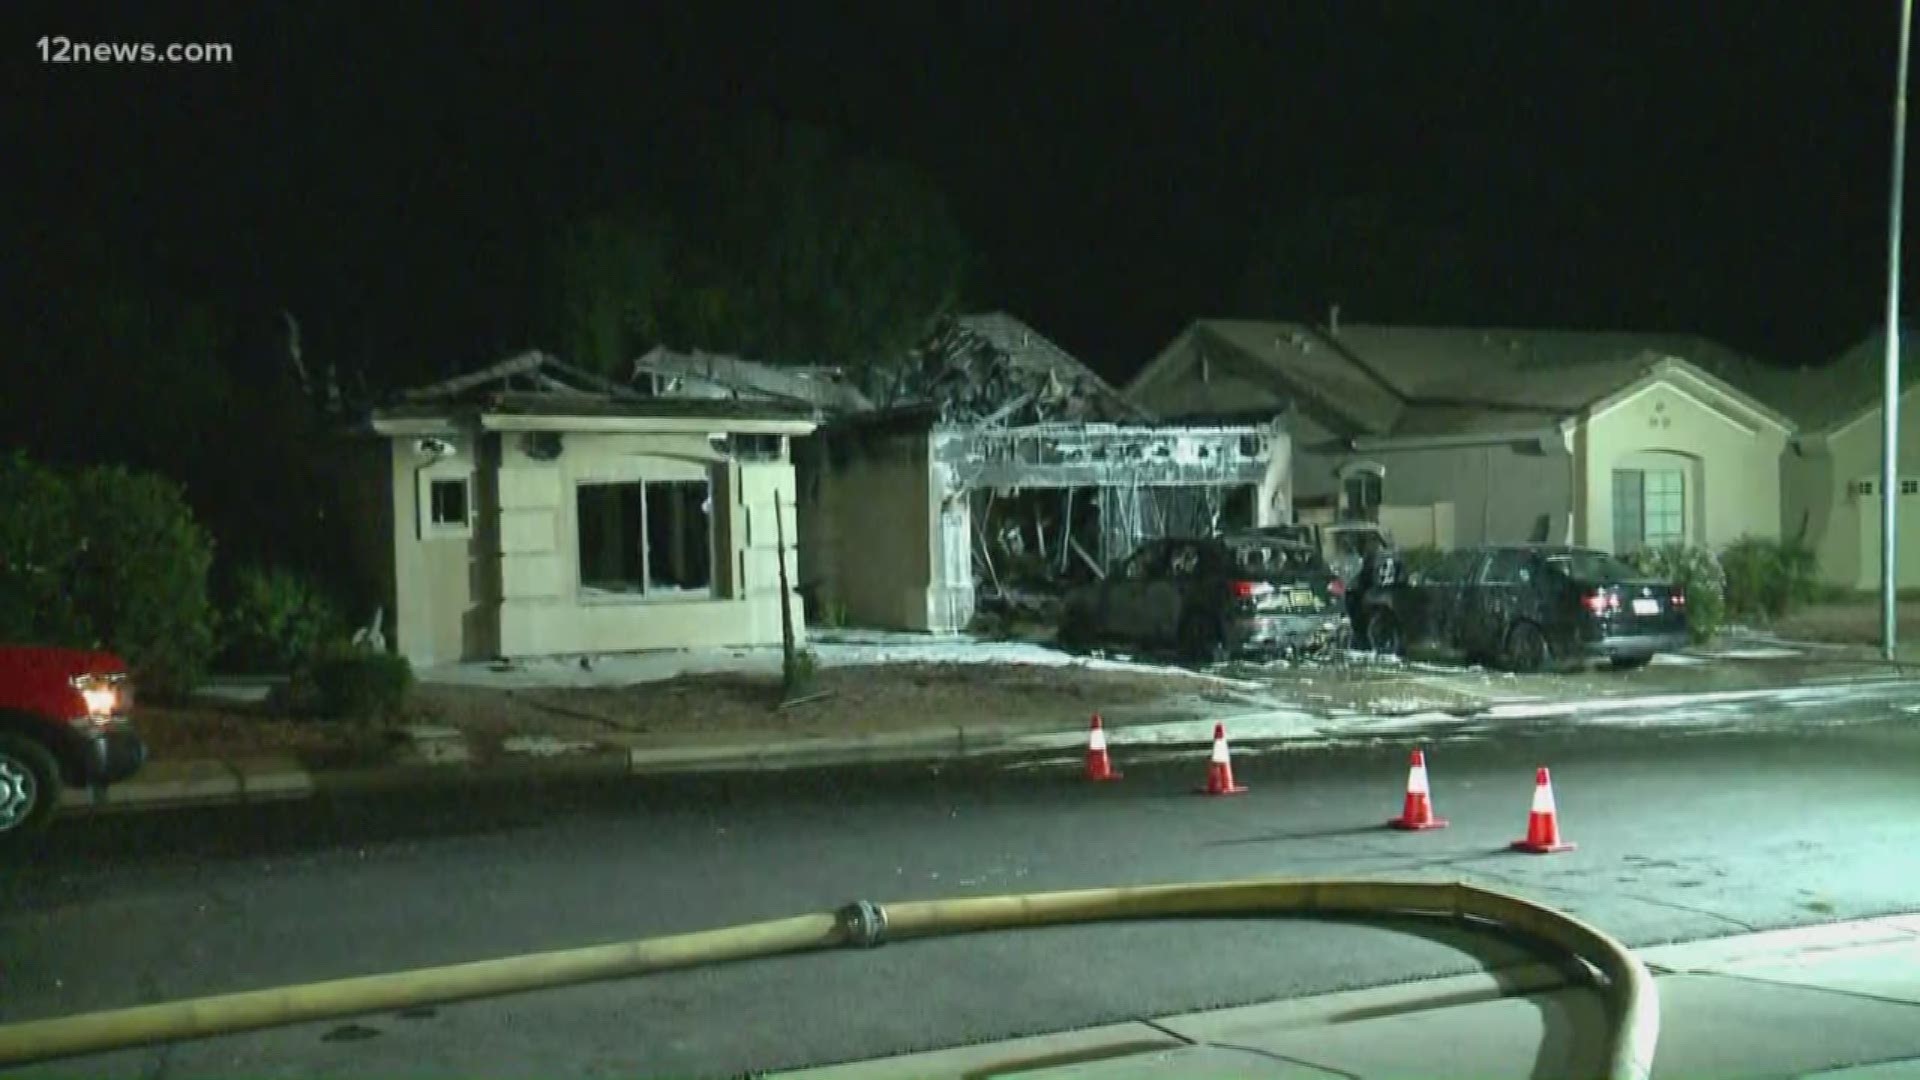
(1679, 598)
(1247, 590)
(1600, 602)
(1336, 588)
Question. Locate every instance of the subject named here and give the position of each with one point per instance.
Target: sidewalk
(1841, 1000)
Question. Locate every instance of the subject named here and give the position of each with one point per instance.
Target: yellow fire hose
(1630, 988)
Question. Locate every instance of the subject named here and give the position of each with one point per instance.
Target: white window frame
(649, 592)
(429, 528)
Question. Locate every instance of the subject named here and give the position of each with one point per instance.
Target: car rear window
(1592, 566)
(1260, 558)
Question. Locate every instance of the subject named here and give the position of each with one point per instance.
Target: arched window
(1362, 489)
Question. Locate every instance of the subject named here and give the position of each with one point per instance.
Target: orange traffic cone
(1543, 824)
(1099, 765)
(1220, 768)
(1417, 812)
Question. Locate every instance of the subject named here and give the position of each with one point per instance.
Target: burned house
(532, 509)
(995, 469)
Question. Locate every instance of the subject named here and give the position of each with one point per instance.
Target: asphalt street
(1795, 812)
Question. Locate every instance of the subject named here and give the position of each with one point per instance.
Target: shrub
(37, 546)
(106, 558)
(276, 618)
(1697, 570)
(140, 576)
(346, 682)
(1767, 578)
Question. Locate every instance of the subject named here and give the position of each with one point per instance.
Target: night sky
(1719, 168)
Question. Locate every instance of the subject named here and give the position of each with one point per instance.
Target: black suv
(1526, 606)
(1213, 598)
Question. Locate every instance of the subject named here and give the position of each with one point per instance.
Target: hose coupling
(863, 923)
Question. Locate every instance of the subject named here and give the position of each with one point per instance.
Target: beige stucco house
(533, 510)
(1611, 440)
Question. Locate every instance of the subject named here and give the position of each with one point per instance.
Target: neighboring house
(531, 509)
(1614, 440)
(1832, 472)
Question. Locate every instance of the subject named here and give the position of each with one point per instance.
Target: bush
(140, 576)
(1697, 570)
(345, 682)
(106, 558)
(1767, 578)
(37, 546)
(276, 618)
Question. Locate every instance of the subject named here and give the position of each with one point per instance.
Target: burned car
(1525, 607)
(1212, 598)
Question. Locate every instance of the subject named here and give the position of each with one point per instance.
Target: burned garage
(994, 471)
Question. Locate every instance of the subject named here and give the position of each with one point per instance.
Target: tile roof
(1396, 381)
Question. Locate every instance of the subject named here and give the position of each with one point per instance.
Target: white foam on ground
(628, 669)
(1669, 659)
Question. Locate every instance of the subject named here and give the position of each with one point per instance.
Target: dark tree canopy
(776, 244)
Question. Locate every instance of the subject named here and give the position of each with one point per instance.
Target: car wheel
(1526, 648)
(1631, 663)
(1383, 634)
(1201, 641)
(29, 788)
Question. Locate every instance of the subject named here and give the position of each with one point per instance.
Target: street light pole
(1890, 404)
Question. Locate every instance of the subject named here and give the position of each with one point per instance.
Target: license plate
(1644, 605)
(1301, 598)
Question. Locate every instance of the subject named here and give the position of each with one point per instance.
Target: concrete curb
(167, 784)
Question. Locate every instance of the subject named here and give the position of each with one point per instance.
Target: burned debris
(988, 470)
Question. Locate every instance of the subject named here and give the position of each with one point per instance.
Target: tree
(612, 280)
(785, 248)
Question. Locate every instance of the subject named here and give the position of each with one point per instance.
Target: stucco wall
(432, 572)
(1847, 541)
(873, 512)
(513, 588)
(1733, 465)
(1498, 493)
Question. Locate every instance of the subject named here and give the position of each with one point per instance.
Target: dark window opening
(679, 536)
(448, 502)
(652, 537)
(612, 525)
(1363, 491)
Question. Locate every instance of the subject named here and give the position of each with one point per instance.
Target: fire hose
(1633, 1000)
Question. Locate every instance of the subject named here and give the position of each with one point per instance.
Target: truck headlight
(101, 694)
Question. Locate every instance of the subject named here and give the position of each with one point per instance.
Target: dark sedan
(1525, 607)
(1212, 598)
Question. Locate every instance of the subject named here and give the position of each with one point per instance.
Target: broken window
(648, 537)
